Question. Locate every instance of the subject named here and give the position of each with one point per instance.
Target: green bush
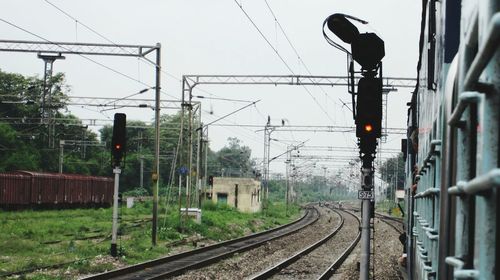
(137, 192)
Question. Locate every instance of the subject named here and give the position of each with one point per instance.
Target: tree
(14, 154)
(393, 172)
(234, 159)
(24, 135)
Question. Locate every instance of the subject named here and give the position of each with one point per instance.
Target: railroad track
(391, 221)
(314, 257)
(177, 264)
(385, 218)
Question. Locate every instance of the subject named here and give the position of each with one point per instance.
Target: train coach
(27, 189)
(453, 159)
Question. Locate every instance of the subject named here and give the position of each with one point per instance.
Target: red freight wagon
(78, 188)
(14, 190)
(86, 188)
(102, 190)
(50, 189)
(46, 188)
(108, 186)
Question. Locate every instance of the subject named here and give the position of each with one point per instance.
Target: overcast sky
(215, 37)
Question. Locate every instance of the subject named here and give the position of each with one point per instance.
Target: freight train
(452, 154)
(26, 189)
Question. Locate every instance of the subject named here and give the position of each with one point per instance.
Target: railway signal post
(367, 49)
(118, 148)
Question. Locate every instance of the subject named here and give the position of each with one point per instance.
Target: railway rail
(392, 221)
(177, 264)
(315, 252)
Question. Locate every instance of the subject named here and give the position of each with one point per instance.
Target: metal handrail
(485, 182)
(428, 192)
(485, 54)
(460, 273)
(465, 99)
(432, 152)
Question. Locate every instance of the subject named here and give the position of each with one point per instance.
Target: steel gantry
(92, 49)
(189, 82)
(83, 143)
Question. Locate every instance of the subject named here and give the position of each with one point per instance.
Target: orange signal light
(368, 128)
(118, 146)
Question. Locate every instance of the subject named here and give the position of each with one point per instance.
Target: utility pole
(265, 162)
(324, 175)
(61, 155)
(206, 162)
(198, 165)
(156, 165)
(141, 179)
(47, 109)
(287, 183)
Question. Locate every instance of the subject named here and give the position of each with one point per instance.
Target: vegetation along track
(322, 258)
(177, 264)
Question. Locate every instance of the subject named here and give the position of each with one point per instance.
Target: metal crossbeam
(389, 83)
(76, 48)
(343, 149)
(114, 102)
(313, 128)
(81, 142)
(103, 102)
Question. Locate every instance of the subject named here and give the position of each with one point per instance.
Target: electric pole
(47, 109)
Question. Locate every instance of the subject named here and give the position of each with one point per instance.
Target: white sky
(215, 37)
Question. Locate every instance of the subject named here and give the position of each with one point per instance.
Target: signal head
(368, 127)
(368, 50)
(343, 28)
(119, 140)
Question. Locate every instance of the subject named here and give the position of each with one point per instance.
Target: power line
(264, 36)
(295, 49)
(112, 42)
(280, 57)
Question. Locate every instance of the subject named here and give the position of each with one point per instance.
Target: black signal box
(369, 108)
(119, 140)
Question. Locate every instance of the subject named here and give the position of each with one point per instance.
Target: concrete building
(241, 193)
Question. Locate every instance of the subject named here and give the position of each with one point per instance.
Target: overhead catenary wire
(77, 21)
(280, 57)
(299, 57)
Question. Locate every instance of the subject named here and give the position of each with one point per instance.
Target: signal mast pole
(118, 149)
(114, 231)
(367, 49)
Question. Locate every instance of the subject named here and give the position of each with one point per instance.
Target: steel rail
(340, 260)
(385, 220)
(287, 262)
(179, 263)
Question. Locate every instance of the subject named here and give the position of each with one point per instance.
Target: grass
(33, 239)
(389, 207)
